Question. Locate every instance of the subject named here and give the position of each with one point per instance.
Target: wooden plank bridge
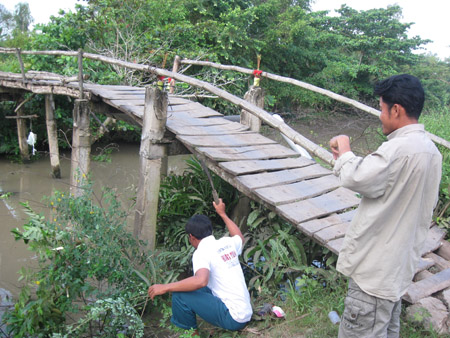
(300, 190)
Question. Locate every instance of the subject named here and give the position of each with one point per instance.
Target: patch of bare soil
(362, 128)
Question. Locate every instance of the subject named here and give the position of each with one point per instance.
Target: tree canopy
(346, 53)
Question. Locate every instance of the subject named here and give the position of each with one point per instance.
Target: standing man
(399, 185)
(217, 292)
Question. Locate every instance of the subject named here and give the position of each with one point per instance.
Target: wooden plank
(335, 245)
(247, 153)
(276, 178)
(173, 100)
(427, 287)
(235, 140)
(434, 239)
(444, 250)
(191, 105)
(294, 192)
(333, 232)
(198, 112)
(335, 201)
(311, 227)
(225, 129)
(130, 102)
(422, 275)
(439, 262)
(94, 86)
(187, 120)
(115, 96)
(424, 264)
(253, 166)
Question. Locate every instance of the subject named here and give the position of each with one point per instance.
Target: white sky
(430, 17)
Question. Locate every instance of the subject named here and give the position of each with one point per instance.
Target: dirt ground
(320, 128)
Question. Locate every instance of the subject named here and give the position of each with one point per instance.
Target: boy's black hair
(405, 90)
(199, 226)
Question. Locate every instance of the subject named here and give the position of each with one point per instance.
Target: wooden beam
(34, 116)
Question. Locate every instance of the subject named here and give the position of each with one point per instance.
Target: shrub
(90, 267)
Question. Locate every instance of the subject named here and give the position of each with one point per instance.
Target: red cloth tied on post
(257, 74)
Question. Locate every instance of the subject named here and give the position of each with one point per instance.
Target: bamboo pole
(22, 68)
(52, 135)
(152, 156)
(310, 87)
(81, 146)
(80, 73)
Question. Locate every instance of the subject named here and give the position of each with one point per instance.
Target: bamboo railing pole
(310, 87)
(266, 117)
(80, 73)
(22, 68)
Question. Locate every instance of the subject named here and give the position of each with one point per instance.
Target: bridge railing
(307, 86)
(266, 117)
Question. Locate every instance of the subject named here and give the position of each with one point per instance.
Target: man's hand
(220, 208)
(233, 229)
(339, 145)
(156, 290)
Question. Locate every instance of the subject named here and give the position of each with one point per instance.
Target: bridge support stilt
(153, 159)
(52, 135)
(81, 146)
(22, 136)
(254, 95)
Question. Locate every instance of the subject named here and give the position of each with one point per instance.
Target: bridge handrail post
(80, 72)
(176, 67)
(254, 95)
(22, 68)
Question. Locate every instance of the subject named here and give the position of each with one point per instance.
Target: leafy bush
(277, 255)
(90, 267)
(435, 123)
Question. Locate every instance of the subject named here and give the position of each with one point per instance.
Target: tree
(22, 17)
(6, 22)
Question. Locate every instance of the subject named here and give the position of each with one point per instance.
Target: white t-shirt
(226, 279)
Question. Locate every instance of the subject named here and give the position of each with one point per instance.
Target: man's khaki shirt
(399, 186)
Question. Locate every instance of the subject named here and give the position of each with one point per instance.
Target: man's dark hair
(405, 90)
(199, 226)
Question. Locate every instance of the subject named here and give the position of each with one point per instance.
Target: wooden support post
(254, 95)
(176, 67)
(81, 146)
(22, 136)
(153, 154)
(52, 134)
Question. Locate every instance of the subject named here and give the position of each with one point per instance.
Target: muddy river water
(31, 182)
